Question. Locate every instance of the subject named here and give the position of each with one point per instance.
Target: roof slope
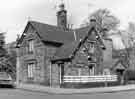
(50, 33)
(66, 51)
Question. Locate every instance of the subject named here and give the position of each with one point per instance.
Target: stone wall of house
(69, 69)
(55, 77)
(49, 52)
(40, 66)
(37, 57)
(41, 58)
(80, 63)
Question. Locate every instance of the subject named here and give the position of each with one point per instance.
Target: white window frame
(79, 71)
(31, 70)
(31, 45)
(92, 70)
(92, 47)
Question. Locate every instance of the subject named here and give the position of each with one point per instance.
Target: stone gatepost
(17, 66)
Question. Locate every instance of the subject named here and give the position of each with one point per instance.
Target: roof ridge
(38, 22)
(50, 25)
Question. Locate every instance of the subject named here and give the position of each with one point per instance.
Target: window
(91, 47)
(31, 46)
(31, 70)
(79, 71)
(92, 69)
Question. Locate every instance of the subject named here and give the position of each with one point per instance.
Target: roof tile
(52, 33)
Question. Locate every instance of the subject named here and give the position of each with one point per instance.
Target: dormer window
(31, 46)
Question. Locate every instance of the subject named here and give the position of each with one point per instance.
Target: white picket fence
(85, 79)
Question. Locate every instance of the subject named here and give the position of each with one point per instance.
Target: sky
(16, 13)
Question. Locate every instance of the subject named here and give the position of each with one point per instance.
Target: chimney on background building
(62, 17)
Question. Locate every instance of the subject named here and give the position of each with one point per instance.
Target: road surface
(6, 93)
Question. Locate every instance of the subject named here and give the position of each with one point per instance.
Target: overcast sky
(15, 13)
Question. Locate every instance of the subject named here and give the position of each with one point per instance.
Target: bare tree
(131, 38)
(104, 20)
(128, 37)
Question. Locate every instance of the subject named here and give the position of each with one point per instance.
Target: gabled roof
(81, 33)
(118, 64)
(51, 33)
(67, 50)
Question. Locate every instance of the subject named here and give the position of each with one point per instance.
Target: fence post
(50, 74)
(106, 81)
(60, 73)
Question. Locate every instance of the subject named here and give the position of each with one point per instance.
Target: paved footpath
(6, 93)
(39, 88)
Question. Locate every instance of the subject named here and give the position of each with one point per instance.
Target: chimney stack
(62, 17)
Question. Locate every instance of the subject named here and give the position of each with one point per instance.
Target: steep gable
(48, 33)
(119, 65)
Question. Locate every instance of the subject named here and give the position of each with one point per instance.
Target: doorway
(120, 73)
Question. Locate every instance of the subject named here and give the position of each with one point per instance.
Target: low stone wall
(89, 85)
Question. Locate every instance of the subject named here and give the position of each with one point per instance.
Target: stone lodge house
(46, 53)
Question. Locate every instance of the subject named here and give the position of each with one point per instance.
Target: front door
(120, 73)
